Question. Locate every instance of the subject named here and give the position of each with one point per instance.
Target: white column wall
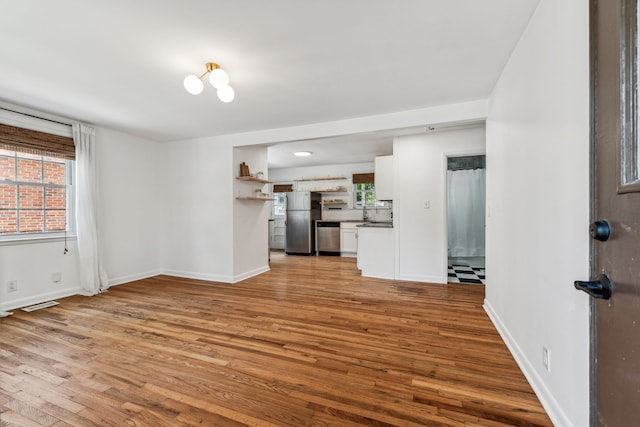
(420, 177)
(250, 217)
(199, 210)
(538, 206)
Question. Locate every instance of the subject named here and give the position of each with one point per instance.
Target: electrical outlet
(12, 285)
(546, 359)
(56, 277)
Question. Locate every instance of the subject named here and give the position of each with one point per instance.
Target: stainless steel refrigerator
(302, 210)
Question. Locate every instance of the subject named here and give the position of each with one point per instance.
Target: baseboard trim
(427, 279)
(133, 277)
(189, 275)
(549, 403)
(37, 299)
(249, 274)
(197, 276)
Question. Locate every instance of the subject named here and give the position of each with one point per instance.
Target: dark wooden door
(615, 327)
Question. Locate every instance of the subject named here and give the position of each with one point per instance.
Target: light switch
(427, 204)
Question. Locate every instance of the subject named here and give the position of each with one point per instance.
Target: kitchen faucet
(365, 214)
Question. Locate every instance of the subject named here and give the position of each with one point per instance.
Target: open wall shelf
(261, 199)
(332, 190)
(321, 179)
(252, 179)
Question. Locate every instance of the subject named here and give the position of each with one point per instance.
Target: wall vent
(39, 306)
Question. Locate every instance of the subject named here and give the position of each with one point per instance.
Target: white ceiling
(120, 64)
(345, 149)
(359, 148)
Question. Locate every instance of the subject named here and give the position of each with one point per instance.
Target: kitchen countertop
(377, 224)
(362, 223)
(340, 220)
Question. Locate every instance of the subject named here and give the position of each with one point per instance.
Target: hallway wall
(538, 206)
(420, 165)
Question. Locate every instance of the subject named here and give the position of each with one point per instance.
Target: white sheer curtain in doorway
(466, 212)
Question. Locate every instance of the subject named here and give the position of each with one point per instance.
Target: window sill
(39, 238)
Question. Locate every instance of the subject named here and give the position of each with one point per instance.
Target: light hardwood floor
(309, 343)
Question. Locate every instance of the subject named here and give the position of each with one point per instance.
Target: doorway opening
(466, 195)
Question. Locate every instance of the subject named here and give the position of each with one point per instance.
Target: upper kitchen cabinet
(384, 178)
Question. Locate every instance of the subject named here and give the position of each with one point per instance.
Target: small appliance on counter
(302, 210)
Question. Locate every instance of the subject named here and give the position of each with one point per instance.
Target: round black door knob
(600, 230)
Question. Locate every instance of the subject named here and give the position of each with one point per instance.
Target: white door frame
(445, 205)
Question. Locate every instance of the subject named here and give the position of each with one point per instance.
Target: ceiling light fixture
(218, 78)
(302, 153)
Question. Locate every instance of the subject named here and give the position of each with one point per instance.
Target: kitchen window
(278, 204)
(364, 195)
(279, 195)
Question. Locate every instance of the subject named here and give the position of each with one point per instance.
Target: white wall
(131, 186)
(199, 210)
(538, 205)
(420, 176)
(32, 266)
(250, 217)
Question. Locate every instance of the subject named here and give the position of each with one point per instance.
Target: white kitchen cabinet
(277, 234)
(384, 177)
(348, 239)
(376, 252)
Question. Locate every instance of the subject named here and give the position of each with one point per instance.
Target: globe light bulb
(218, 78)
(193, 84)
(226, 93)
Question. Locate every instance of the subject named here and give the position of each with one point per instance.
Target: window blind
(36, 142)
(363, 178)
(282, 188)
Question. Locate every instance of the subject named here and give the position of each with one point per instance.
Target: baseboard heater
(39, 306)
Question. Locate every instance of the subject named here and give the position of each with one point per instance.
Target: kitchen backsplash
(376, 214)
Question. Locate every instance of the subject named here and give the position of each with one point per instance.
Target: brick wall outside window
(33, 193)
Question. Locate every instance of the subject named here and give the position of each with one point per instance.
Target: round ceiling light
(218, 78)
(226, 93)
(302, 153)
(193, 84)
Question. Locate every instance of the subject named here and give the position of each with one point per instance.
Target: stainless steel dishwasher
(328, 237)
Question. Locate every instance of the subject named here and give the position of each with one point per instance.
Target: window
(279, 195)
(278, 204)
(364, 195)
(36, 195)
(36, 167)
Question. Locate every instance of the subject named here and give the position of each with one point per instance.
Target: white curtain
(466, 212)
(93, 278)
